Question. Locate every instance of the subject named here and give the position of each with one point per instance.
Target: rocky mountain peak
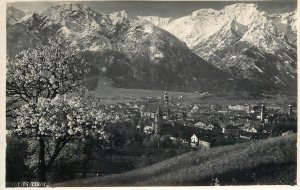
(157, 21)
(71, 7)
(71, 12)
(242, 6)
(14, 15)
(118, 17)
(202, 12)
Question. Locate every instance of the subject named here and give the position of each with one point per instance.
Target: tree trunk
(42, 170)
(84, 168)
(87, 156)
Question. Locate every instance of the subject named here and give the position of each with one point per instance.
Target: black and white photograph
(150, 93)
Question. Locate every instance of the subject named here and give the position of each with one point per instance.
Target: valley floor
(103, 88)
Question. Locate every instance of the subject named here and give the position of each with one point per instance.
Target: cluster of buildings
(200, 127)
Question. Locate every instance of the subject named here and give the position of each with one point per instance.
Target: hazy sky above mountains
(162, 8)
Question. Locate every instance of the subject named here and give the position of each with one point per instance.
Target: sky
(161, 8)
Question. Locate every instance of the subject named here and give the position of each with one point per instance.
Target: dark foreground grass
(271, 161)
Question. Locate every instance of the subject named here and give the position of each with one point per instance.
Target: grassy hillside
(271, 161)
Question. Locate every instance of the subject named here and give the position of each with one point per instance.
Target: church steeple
(166, 101)
(290, 111)
(263, 113)
(159, 113)
(157, 121)
(166, 98)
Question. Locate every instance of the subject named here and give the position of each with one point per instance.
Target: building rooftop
(153, 107)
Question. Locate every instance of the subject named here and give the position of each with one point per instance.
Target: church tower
(262, 113)
(166, 99)
(290, 111)
(158, 121)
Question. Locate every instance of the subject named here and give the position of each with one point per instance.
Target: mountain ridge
(226, 59)
(242, 41)
(134, 54)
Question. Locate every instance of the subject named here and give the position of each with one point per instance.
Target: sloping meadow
(253, 163)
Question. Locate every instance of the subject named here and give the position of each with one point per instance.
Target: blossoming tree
(44, 72)
(37, 79)
(54, 122)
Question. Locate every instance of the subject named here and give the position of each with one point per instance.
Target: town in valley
(151, 93)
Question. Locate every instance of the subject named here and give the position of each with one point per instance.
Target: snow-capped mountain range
(241, 40)
(239, 44)
(204, 23)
